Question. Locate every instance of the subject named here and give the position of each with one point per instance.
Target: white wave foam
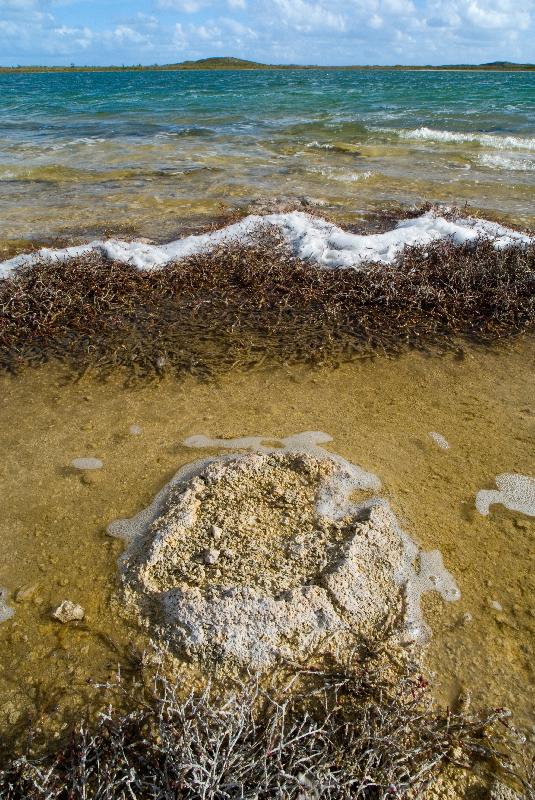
(342, 175)
(484, 139)
(310, 238)
(507, 162)
(320, 145)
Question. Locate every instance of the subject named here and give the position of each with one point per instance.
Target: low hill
(227, 62)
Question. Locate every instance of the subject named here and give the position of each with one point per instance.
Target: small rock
(495, 605)
(215, 533)
(68, 612)
(135, 430)
(210, 556)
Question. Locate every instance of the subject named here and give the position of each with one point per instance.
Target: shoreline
(264, 68)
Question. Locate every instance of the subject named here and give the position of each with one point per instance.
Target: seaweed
(253, 305)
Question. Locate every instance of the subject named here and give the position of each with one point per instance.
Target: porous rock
(68, 611)
(300, 565)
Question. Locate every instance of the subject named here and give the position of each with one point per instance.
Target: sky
(328, 32)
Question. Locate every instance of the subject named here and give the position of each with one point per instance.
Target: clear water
(147, 153)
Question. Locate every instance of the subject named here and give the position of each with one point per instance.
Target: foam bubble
(5, 611)
(87, 463)
(439, 440)
(515, 492)
(507, 161)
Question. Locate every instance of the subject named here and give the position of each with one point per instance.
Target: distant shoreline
(214, 65)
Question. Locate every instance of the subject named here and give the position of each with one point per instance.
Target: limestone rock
(299, 567)
(68, 611)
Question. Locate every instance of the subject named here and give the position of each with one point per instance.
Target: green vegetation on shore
(229, 63)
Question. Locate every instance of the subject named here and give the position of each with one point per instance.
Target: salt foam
(311, 238)
(5, 611)
(251, 556)
(515, 492)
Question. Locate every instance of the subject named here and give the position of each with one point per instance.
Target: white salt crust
(370, 583)
(311, 238)
(515, 492)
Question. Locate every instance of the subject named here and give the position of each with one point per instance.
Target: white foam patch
(439, 440)
(5, 611)
(508, 161)
(87, 463)
(515, 492)
(484, 139)
(310, 238)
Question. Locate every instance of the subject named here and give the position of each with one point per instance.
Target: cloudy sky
(274, 31)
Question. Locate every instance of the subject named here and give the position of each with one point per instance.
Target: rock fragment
(68, 611)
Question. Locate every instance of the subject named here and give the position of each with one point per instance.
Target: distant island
(229, 63)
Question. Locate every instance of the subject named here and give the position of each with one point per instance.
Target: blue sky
(273, 31)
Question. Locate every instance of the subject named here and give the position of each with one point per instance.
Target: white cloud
(304, 16)
(276, 31)
(185, 6)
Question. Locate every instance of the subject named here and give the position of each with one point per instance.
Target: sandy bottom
(380, 414)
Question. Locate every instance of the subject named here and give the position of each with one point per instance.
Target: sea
(153, 154)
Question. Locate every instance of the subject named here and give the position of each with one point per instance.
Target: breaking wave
(483, 139)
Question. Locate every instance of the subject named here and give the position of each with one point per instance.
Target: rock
(68, 611)
(353, 574)
(495, 605)
(215, 532)
(135, 430)
(210, 556)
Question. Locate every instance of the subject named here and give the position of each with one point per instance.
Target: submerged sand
(380, 414)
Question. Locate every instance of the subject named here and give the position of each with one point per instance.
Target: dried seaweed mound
(244, 306)
(338, 732)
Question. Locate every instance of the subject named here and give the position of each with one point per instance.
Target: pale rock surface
(68, 611)
(299, 565)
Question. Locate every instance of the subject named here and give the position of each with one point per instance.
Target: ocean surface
(156, 154)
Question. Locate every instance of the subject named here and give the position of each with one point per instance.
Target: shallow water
(380, 414)
(153, 154)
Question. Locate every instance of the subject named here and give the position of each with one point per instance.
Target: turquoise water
(84, 153)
